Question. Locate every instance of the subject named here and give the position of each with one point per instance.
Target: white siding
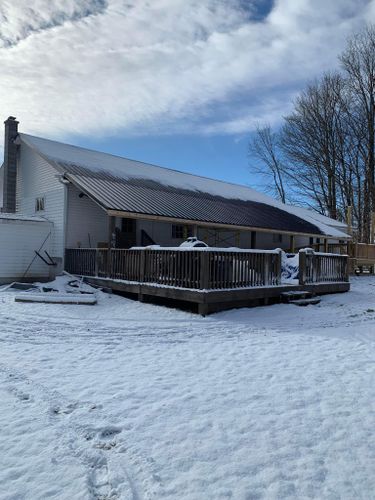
(36, 178)
(87, 223)
(18, 241)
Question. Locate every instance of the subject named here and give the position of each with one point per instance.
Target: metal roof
(143, 196)
(125, 185)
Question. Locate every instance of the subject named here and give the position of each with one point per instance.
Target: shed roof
(4, 216)
(131, 186)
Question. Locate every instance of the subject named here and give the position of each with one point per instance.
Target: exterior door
(127, 236)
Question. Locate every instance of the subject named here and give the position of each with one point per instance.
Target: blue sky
(218, 156)
(180, 83)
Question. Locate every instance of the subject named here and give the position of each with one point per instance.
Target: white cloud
(20, 20)
(94, 67)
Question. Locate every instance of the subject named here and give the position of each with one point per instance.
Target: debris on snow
(65, 289)
(56, 298)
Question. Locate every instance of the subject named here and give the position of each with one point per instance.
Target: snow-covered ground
(127, 400)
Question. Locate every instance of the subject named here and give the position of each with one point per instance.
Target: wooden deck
(211, 279)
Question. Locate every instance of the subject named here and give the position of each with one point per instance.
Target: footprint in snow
(71, 407)
(64, 410)
(109, 432)
(21, 396)
(99, 482)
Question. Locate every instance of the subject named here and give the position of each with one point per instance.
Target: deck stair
(299, 298)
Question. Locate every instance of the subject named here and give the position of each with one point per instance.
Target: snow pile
(289, 268)
(66, 284)
(130, 400)
(193, 242)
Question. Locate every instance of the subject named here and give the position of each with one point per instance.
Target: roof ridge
(151, 165)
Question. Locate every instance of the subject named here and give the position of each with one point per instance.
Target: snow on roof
(125, 168)
(321, 218)
(30, 218)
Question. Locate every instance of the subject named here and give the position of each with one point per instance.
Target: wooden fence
(203, 269)
(363, 251)
(317, 267)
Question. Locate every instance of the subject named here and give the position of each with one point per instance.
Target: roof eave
(135, 215)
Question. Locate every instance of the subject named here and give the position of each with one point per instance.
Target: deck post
(109, 263)
(346, 269)
(111, 243)
(302, 267)
(266, 270)
(279, 266)
(142, 266)
(111, 231)
(204, 270)
(292, 243)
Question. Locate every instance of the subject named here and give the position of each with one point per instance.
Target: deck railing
(204, 269)
(317, 267)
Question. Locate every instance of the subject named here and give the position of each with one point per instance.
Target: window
(39, 204)
(177, 231)
(181, 232)
(128, 225)
(277, 238)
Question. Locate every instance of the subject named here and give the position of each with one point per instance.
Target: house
(95, 199)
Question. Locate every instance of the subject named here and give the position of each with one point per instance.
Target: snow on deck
(130, 400)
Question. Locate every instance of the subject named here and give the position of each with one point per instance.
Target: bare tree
(314, 141)
(358, 61)
(324, 153)
(265, 148)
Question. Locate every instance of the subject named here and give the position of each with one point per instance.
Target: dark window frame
(40, 204)
(181, 231)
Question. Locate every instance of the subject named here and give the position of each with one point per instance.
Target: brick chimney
(10, 165)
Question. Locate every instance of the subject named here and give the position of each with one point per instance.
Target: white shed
(20, 238)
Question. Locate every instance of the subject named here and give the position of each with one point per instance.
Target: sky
(178, 83)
